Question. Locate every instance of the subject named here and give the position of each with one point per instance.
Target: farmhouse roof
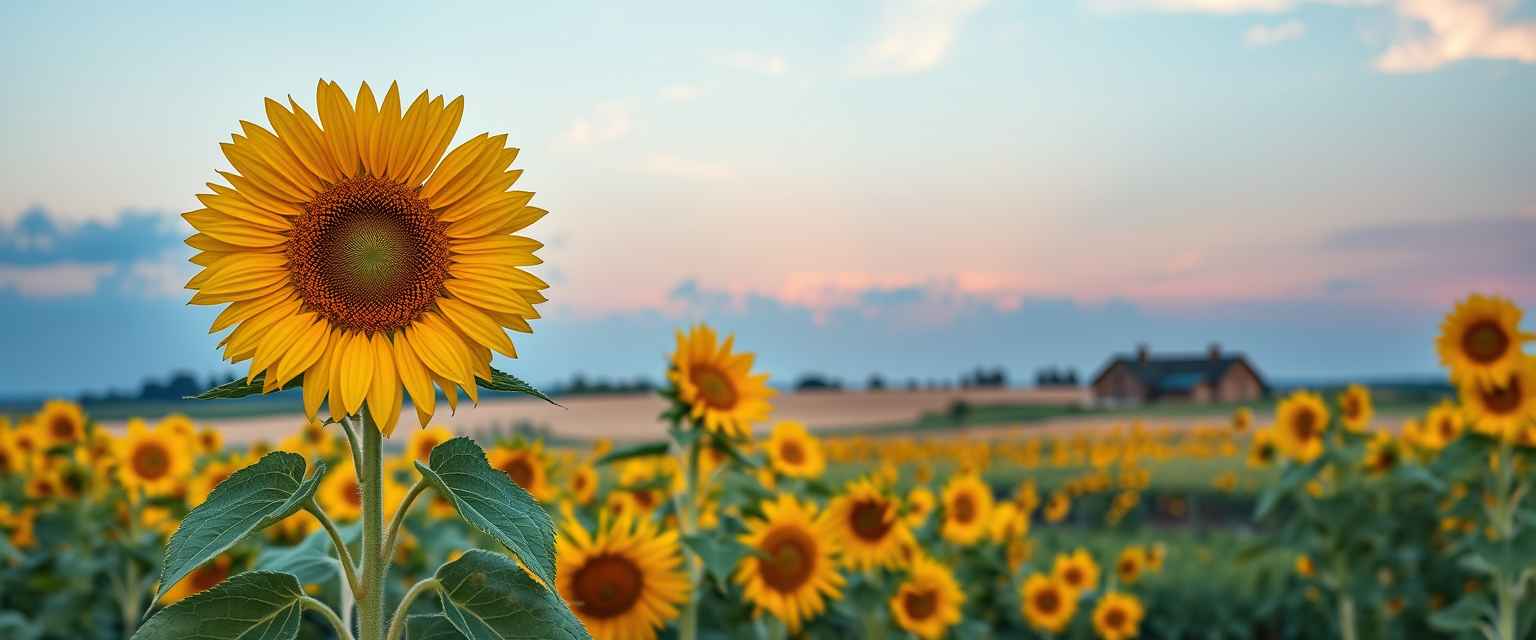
(1178, 373)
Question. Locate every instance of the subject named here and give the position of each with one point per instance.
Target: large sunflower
(871, 531)
(1048, 605)
(1356, 408)
(154, 461)
(791, 569)
(62, 423)
(626, 581)
(354, 253)
(967, 509)
(716, 385)
(1117, 616)
(794, 452)
(1300, 421)
(1501, 410)
(928, 603)
(1480, 340)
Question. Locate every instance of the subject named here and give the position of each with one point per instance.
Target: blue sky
(913, 187)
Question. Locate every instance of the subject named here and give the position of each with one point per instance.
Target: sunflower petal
(477, 325)
(384, 391)
(356, 372)
(413, 374)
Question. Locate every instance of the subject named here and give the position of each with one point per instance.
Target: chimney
(1142, 353)
(1215, 351)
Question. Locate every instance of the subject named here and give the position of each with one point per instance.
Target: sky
(907, 187)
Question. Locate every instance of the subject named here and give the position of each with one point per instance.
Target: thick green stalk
(1347, 617)
(370, 597)
(688, 621)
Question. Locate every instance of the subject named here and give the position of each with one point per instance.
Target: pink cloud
(1459, 30)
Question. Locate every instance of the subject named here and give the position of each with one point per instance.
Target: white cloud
(606, 123)
(665, 164)
(1263, 35)
(680, 93)
(163, 277)
(914, 35)
(766, 64)
(1458, 30)
(57, 280)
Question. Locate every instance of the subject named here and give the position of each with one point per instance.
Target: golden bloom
(920, 504)
(967, 509)
(1242, 418)
(584, 484)
(525, 466)
(716, 385)
(342, 498)
(928, 603)
(1057, 507)
(61, 423)
(1155, 556)
(1356, 408)
(1480, 340)
(154, 461)
(1300, 421)
(1117, 616)
(1130, 564)
(794, 452)
(1501, 410)
(18, 526)
(10, 458)
(207, 479)
(1008, 522)
(1076, 570)
(209, 441)
(625, 580)
(791, 569)
(203, 578)
(419, 446)
(1442, 426)
(313, 441)
(1263, 450)
(870, 532)
(354, 253)
(1383, 453)
(1304, 566)
(1048, 605)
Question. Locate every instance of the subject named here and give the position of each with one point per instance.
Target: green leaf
(431, 627)
(250, 499)
(503, 381)
(486, 596)
(257, 605)
(493, 503)
(1468, 612)
(312, 561)
(719, 553)
(646, 450)
(1294, 476)
(239, 388)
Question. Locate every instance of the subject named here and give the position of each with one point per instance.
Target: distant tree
(817, 382)
(876, 382)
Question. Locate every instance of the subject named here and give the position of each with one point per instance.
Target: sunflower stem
(394, 526)
(342, 633)
(688, 622)
(402, 613)
(343, 556)
(370, 605)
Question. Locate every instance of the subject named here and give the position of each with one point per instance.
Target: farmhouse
(1210, 377)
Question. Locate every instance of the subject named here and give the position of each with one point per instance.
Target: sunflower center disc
(368, 255)
(62, 428)
(1073, 577)
(1114, 618)
(1305, 424)
(1503, 400)
(1047, 601)
(607, 586)
(920, 605)
(151, 462)
(965, 508)
(519, 471)
(1484, 342)
(792, 453)
(868, 520)
(789, 554)
(715, 387)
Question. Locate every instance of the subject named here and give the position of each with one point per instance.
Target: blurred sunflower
(1057, 507)
(209, 441)
(206, 480)
(967, 509)
(1500, 410)
(928, 602)
(61, 423)
(717, 386)
(422, 441)
(1263, 450)
(625, 580)
(920, 504)
(1242, 418)
(794, 452)
(10, 458)
(312, 441)
(1130, 564)
(1047, 604)
(791, 569)
(1480, 340)
(870, 532)
(1443, 425)
(525, 466)
(203, 578)
(1304, 566)
(1008, 522)
(354, 253)
(1383, 453)
(18, 526)
(1155, 556)
(154, 461)
(583, 484)
(1117, 616)
(342, 498)
(1300, 421)
(1076, 570)
(1356, 408)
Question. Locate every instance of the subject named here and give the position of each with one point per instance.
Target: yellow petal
(487, 295)
(449, 391)
(477, 326)
(367, 114)
(226, 229)
(439, 137)
(356, 372)
(277, 341)
(405, 142)
(338, 356)
(413, 374)
(301, 140)
(243, 158)
(385, 130)
(317, 379)
(238, 312)
(460, 160)
(276, 154)
(486, 170)
(260, 196)
(434, 345)
(340, 127)
(304, 352)
(384, 392)
(229, 202)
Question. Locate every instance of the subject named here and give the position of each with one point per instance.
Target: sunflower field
(360, 260)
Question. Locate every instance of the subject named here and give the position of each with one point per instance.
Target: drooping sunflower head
(1117, 616)
(1502, 410)
(928, 603)
(791, 570)
(1130, 564)
(794, 452)
(525, 466)
(1077, 570)
(1048, 605)
(155, 461)
(870, 531)
(61, 423)
(716, 385)
(1300, 421)
(354, 253)
(625, 580)
(1356, 408)
(1480, 340)
(967, 504)
(1263, 451)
